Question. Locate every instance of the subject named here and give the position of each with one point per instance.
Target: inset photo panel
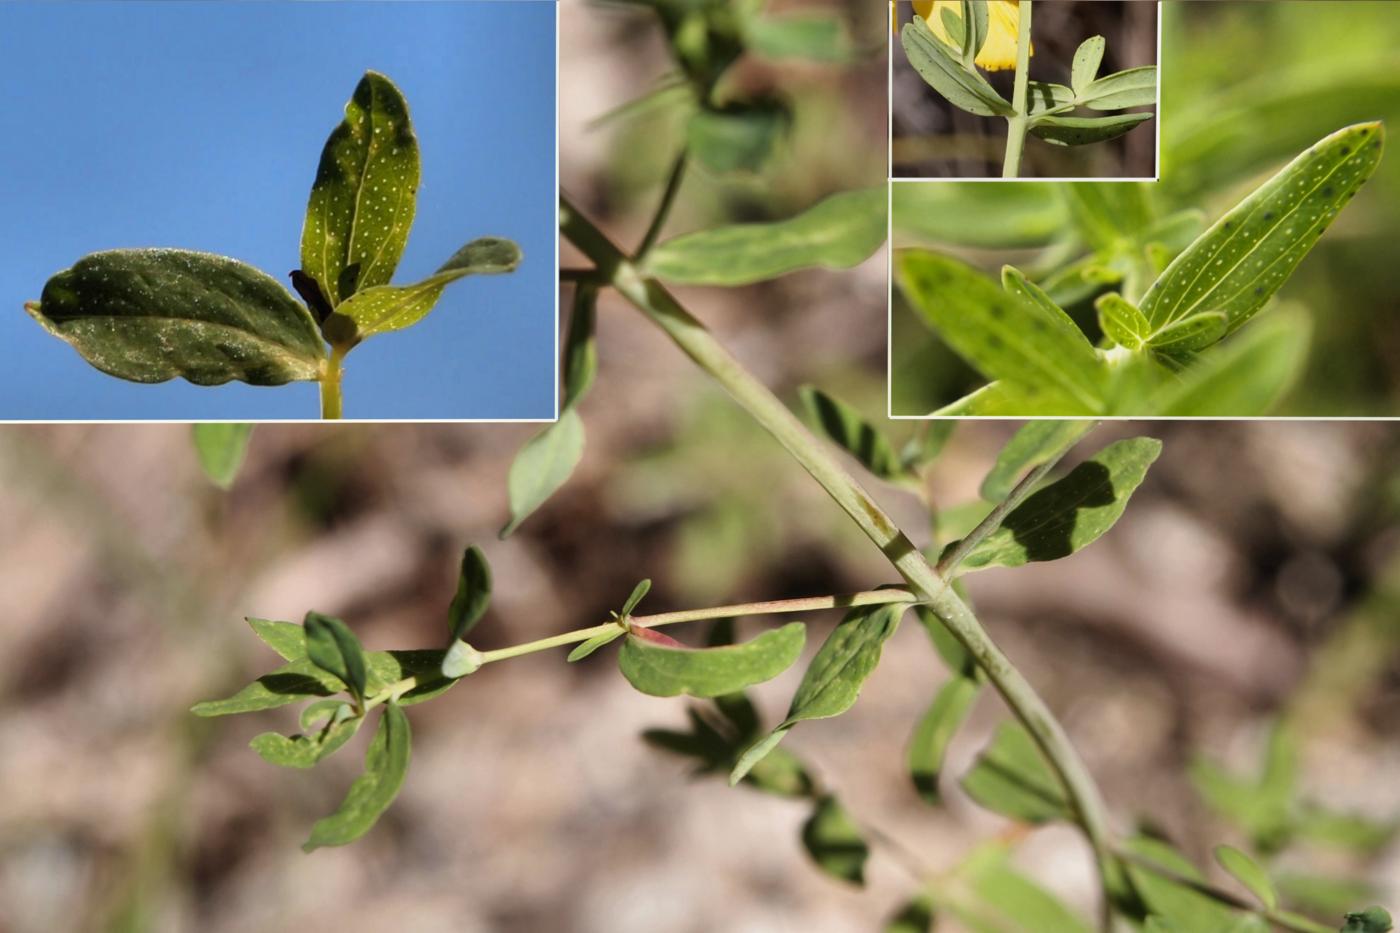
(1256, 278)
(1004, 89)
(257, 211)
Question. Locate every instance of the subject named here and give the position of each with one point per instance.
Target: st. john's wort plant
(149, 315)
(949, 42)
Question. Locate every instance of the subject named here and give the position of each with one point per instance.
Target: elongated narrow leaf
(221, 448)
(333, 648)
(634, 598)
(386, 763)
(1081, 131)
(935, 730)
(1244, 375)
(834, 841)
(847, 429)
(1071, 512)
(963, 88)
(1087, 59)
(1006, 337)
(1011, 778)
(286, 638)
(149, 315)
(1035, 443)
(834, 678)
(596, 642)
(542, 466)
(1190, 334)
(663, 671)
(581, 345)
(304, 751)
(1241, 261)
(362, 201)
(473, 593)
(839, 232)
(975, 15)
(1068, 333)
(382, 308)
(290, 683)
(1121, 321)
(1187, 909)
(1136, 87)
(1248, 873)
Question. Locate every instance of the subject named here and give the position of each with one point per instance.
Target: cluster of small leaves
(1166, 346)
(951, 70)
(149, 315)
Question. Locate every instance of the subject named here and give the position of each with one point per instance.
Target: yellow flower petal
(1003, 22)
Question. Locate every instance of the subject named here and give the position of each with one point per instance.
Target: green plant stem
(1017, 124)
(697, 343)
(948, 565)
(330, 384)
(663, 210)
(1287, 920)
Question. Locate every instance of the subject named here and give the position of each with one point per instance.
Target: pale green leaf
(1136, 87)
(992, 216)
(386, 763)
(638, 593)
(661, 670)
(596, 642)
(149, 315)
(934, 61)
(1247, 255)
(1243, 375)
(841, 231)
(1248, 873)
(1045, 98)
(1087, 59)
(739, 138)
(818, 37)
(542, 466)
(1067, 332)
(362, 201)
(1011, 901)
(834, 841)
(974, 13)
(1121, 321)
(1186, 909)
(221, 448)
(1081, 131)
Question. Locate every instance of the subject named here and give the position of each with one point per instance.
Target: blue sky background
(199, 125)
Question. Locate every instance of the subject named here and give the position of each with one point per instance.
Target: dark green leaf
(333, 648)
(596, 642)
(542, 466)
(387, 668)
(1087, 59)
(1136, 87)
(291, 683)
(1121, 321)
(845, 427)
(1190, 334)
(916, 916)
(834, 841)
(963, 88)
(1005, 336)
(1241, 261)
(286, 638)
(581, 346)
(473, 593)
(935, 730)
(839, 232)
(1248, 873)
(1035, 443)
(149, 315)
(362, 202)
(1011, 778)
(738, 138)
(382, 308)
(1081, 131)
(638, 593)
(304, 751)
(1370, 920)
(1071, 512)
(660, 670)
(386, 763)
(221, 448)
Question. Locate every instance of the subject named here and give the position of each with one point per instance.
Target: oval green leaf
(221, 448)
(148, 315)
(1011, 778)
(363, 199)
(386, 763)
(664, 671)
(1081, 131)
(1121, 321)
(1087, 59)
(333, 648)
(542, 466)
(1136, 87)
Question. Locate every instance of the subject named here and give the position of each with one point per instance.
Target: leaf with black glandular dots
(845, 427)
(1136, 87)
(221, 448)
(1237, 265)
(1070, 513)
(1081, 131)
(473, 594)
(291, 683)
(149, 315)
(1011, 778)
(962, 87)
(386, 763)
(384, 308)
(841, 231)
(667, 671)
(1005, 336)
(1190, 334)
(834, 841)
(1087, 59)
(542, 466)
(305, 751)
(1121, 321)
(333, 648)
(363, 199)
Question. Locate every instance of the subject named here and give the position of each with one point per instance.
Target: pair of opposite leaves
(149, 315)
